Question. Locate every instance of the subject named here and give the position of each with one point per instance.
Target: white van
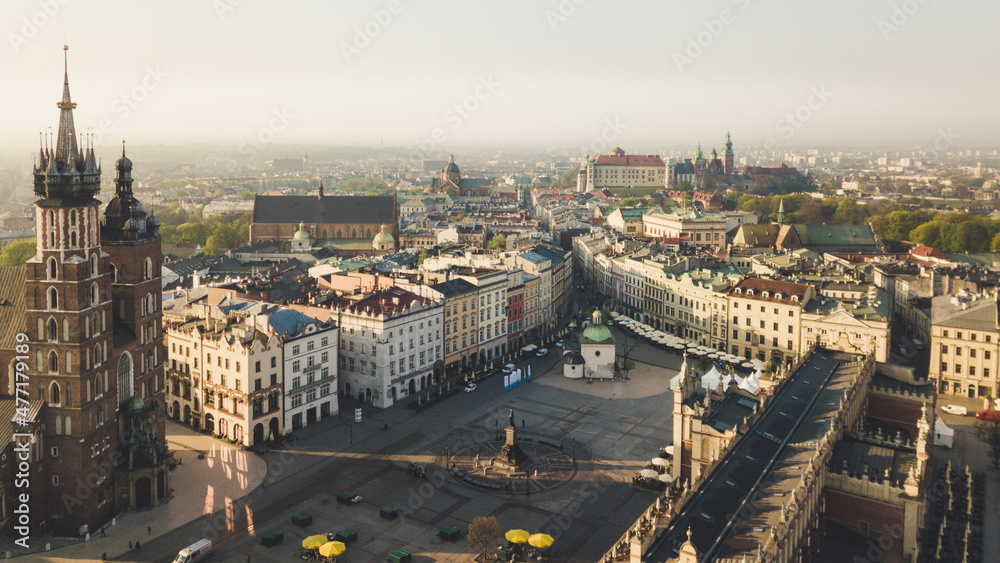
(198, 551)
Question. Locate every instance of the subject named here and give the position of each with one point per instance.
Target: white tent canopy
(943, 435)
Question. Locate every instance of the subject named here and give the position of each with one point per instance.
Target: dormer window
(750, 292)
(779, 296)
(795, 299)
(766, 294)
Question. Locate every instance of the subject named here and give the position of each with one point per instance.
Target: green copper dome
(301, 235)
(383, 237)
(597, 332)
(137, 403)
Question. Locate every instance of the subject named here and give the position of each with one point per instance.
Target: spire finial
(689, 533)
(123, 147)
(66, 64)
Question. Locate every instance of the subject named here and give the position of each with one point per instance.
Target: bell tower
(69, 323)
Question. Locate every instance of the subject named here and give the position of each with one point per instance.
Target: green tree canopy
(18, 252)
(498, 242)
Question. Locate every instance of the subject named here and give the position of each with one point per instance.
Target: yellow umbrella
(541, 540)
(331, 549)
(517, 536)
(312, 542)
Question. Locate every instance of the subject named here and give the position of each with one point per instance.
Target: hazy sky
(644, 74)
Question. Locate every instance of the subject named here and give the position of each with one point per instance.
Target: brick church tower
(95, 363)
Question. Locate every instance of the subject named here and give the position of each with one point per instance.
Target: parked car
(559, 344)
(955, 409)
(470, 388)
(542, 352)
(509, 369)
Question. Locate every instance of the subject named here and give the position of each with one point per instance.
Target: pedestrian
(104, 557)
(149, 530)
(130, 544)
(248, 559)
(137, 546)
(103, 535)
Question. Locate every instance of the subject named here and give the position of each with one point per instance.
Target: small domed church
(81, 347)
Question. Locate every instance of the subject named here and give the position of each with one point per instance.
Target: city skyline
(530, 75)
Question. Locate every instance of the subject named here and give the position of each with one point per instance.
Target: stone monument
(510, 455)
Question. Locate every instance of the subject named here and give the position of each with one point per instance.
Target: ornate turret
(781, 211)
(66, 174)
(727, 153)
(125, 220)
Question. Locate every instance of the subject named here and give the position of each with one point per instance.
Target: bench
(302, 519)
(274, 537)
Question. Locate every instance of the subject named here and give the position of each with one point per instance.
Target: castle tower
(728, 155)
(69, 321)
(131, 240)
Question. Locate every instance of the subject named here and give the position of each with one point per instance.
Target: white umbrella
(669, 449)
(747, 365)
(679, 346)
(649, 474)
(739, 359)
(660, 461)
(666, 478)
(714, 355)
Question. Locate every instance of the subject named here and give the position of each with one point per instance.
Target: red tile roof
(619, 158)
(922, 251)
(773, 287)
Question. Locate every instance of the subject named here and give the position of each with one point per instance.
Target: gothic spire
(67, 150)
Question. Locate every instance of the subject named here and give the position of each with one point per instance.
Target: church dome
(301, 235)
(451, 167)
(573, 358)
(597, 332)
(383, 237)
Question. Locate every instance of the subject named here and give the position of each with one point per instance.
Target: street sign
(357, 415)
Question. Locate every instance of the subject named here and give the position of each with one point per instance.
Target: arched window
(52, 334)
(95, 295)
(93, 264)
(89, 389)
(97, 355)
(98, 387)
(52, 219)
(125, 378)
(354, 233)
(149, 269)
(53, 302)
(54, 393)
(97, 324)
(369, 234)
(53, 361)
(52, 239)
(72, 217)
(72, 239)
(339, 234)
(69, 402)
(149, 304)
(114, 273)
(58, 424)
(65, 330)
(69, 421)
(52, 271)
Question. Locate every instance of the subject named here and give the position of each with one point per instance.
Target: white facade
(310, 367)
(389, 353)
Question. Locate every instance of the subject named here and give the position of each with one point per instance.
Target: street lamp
(496, 424)
(574, 449)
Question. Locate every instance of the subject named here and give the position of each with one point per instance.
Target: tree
(628, 364)
(483, 532)
(498, 242)
(423, 256)
(629, 202)
(246, 196)
(988, 432)
(17, 253)
(568, 177)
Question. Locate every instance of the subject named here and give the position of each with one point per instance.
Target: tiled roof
(773, 287)
(758, 235)
(11, 305)
(452, 288)
(328, 209)
(629, 160)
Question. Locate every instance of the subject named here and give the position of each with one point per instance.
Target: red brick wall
(885, 521)
(897, 411)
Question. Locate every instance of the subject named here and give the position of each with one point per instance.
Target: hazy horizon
(436, 77)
